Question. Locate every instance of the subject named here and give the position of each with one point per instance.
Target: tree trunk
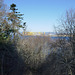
(2, 60)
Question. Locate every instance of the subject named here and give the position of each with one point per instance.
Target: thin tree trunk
(2, 60)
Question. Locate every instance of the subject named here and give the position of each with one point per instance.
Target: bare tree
(66, 30)
(67, 27)
(34, 51)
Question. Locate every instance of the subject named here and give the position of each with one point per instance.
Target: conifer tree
(15, 18)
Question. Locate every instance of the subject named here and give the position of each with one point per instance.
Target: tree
(15, 18)
(67, 30)
(67, 27)
(34, 51)
(10, 62)
(2, 18)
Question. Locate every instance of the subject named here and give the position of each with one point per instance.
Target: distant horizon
(39, 32)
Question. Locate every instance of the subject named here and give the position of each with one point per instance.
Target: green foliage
(10, 24)
(12, 7)
(15, 18)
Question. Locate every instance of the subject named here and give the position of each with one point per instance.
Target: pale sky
(41, 15)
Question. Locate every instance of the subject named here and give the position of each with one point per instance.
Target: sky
(42, 15)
